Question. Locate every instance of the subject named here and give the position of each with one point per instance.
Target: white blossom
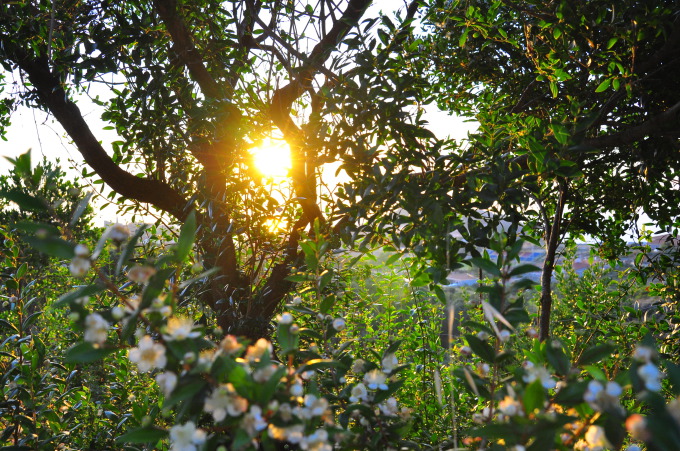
(224, 400)
(596, 438)
(602, 397)
(317, 441)
(96, 328)
(296, 389)
(230, 345)
(389, 363)
(148, 355)
(316, 406)
(376, 379)
(359, 393)
(651, 376)
(253, 422)
(81, 250)
(79, 266)
(141, 274)
(509, 406)
(186, 437)
(643, 354)
(256, 351)
(338, 324)
(117, 232)
(166, 382)
(540, 373)
(179, 329)
(264, 373)
(293, 434)
(389, 407)
(285, 318)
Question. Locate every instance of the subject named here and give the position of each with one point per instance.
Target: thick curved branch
(656, 125)
(53, 96)
(185, 49)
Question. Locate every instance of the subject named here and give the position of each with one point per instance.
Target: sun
(272, 158)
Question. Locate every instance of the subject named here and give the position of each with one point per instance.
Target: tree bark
(552, 240)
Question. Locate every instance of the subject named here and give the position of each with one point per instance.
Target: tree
(191, 86)
(578, 110)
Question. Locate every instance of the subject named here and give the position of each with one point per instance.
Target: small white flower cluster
(96, 328)
(186, 437)
(510, 407)
(81, 263)
(603, 397)
(224, 402)
(541, 373)
(594, 440)
(82, 260)
(648, 372)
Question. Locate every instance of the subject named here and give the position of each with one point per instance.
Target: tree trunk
(552, 241)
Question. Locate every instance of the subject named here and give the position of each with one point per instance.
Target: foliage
(190, 88)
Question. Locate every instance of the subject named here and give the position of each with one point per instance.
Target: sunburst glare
(272, 158)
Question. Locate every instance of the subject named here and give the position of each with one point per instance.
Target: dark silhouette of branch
(185, 49)
(53, 96)
(656, 125)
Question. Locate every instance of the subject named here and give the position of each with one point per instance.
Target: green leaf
(88, 290)
(673, 371)
(203, 275)
(533, 396)
(82, 205)
(267, 390)
(604, 85)
(129, 248)
(187, 235)
(392, 388)
(557, 358)
(481, 348)
(54, 246)
(143, 435)
(486, 266)
(6, 324)
(392, 348)
(86, 352)
(155, 286)
(463, 37)
(22, 270)
(523, 269)
(319, 364)
(299, 278)
(325, 279)
(326, 304)
(596, 353)
(37, 228)
(393, 258)
(184, 392)
(24, 201)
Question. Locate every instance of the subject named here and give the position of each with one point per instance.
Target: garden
(304, 258)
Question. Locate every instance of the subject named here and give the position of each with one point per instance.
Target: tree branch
(185, 49)
(656, 125)
(53, 96)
